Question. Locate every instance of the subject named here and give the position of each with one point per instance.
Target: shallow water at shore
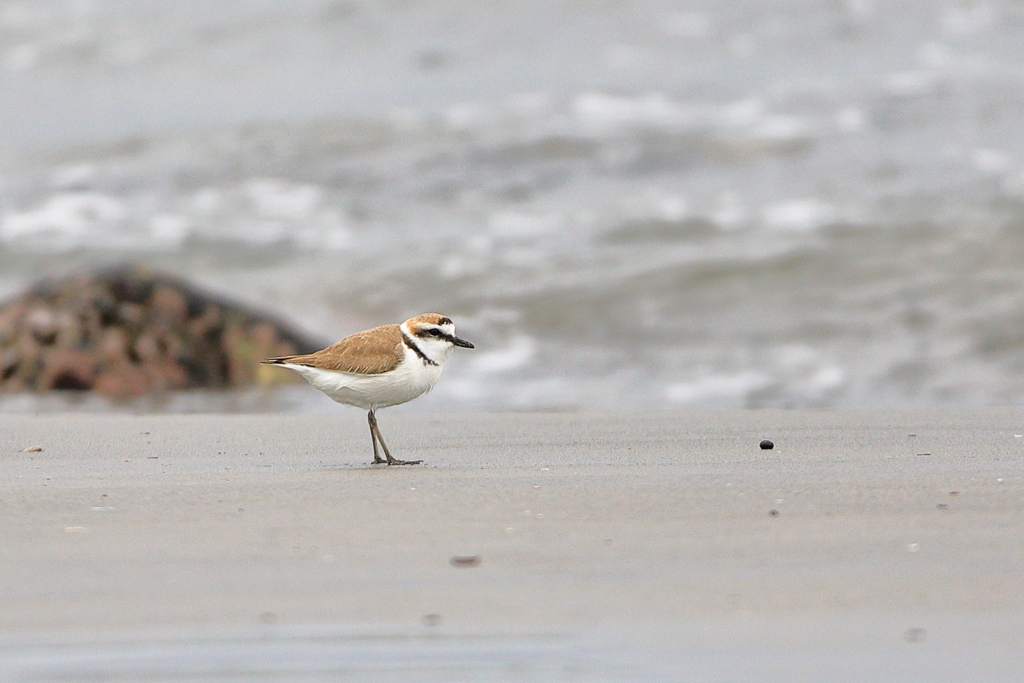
(786, 651)
(626, 205)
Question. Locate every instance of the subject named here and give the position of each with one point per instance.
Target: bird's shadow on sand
(376, 466)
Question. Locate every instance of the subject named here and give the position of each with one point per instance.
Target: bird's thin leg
(373, 437)
(376, 432)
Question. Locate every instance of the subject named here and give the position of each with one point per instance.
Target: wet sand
(629, 546)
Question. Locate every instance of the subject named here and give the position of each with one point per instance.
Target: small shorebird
(381, 367)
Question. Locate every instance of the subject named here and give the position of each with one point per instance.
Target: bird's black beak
(459, 341)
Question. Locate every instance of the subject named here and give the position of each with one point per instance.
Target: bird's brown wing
(370, 352)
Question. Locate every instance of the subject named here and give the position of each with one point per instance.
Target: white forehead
(447, 327)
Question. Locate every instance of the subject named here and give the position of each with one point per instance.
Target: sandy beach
(876, 545)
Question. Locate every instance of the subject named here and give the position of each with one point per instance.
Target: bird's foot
(392, 461)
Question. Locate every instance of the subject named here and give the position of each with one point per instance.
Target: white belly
(410, 379)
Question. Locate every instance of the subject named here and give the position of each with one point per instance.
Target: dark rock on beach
(128, 331)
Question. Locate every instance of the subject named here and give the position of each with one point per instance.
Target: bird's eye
(433, 331)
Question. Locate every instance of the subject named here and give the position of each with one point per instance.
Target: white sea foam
(720, 390)
(603, 112)
(745, 112)
(851, 119)
(276, 198)
(911, 83)
(781, 128)
(518, 352)
(69, 218)
(811, 377)
(673, 208)
(730, 211)
(169, 229)
(800, 215)
(992, 161)
(22, 57)
(518, 225)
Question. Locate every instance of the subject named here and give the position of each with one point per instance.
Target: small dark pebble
(767, 445)
(431, 619)
(464, 560)
(914, 635)
(773, 513)
(942, 506)
(268, 618)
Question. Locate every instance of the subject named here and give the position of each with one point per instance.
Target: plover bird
(381, 367)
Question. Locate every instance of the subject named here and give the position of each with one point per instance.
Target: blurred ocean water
(625, 205)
